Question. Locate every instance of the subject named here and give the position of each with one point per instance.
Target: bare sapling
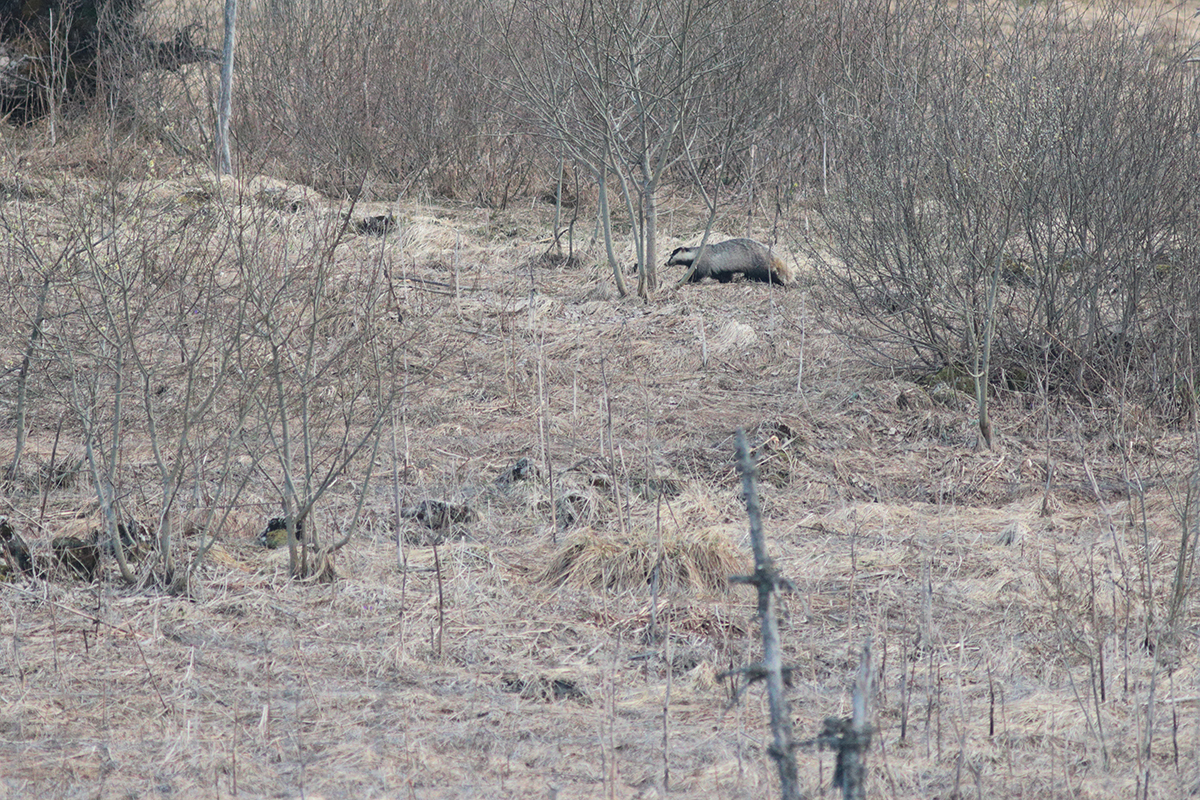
(606, 227)
(620, 86)
(33, 265)
(170, 335)
(323, 415)
(709, 197)
(858, 739)
(401, 549)
(91, 393)
(850, 737)
(31, 348)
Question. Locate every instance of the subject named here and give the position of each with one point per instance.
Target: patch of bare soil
(557, 626)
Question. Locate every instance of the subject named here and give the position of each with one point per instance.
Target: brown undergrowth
(1016, 597)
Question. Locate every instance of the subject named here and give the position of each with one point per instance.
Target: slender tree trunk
(23, 375)
(606, 222)
(558, 192)
(225, 101)
(648, 284)
(983, 359)
(858, 739)
(104, 481)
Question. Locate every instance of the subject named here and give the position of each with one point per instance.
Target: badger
(724, 260)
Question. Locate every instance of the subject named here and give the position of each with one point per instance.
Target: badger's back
(732, 257)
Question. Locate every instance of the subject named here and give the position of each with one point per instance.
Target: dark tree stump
(61, 46)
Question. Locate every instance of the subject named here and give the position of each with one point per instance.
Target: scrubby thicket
(364, 342)
(1031, 179)
(1006, 188)
(167, 361)
(998, 180)
(989, 192)
(420, 94)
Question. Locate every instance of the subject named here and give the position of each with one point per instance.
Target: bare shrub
(332, 91)
(631, 92)
(1023, 192)
(127, 327)
(231, 341)
(321, 354)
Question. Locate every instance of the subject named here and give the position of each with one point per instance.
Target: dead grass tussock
(694, 562)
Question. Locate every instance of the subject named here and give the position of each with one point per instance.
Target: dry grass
(701, 561)
(511, 664)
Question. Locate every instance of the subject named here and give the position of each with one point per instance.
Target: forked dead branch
(769, 583)
(850, 738)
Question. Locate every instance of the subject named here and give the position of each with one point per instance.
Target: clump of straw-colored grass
(699, 561)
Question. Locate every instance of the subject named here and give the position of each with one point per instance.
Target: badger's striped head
(683, 256)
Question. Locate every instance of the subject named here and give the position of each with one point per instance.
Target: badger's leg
(725, 277)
